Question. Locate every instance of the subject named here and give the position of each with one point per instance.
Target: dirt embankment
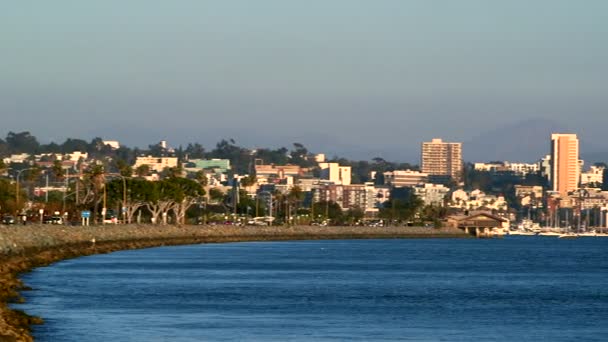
(23, 248)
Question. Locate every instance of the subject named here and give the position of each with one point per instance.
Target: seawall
(23, 248)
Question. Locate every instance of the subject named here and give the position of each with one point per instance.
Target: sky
(354, 78)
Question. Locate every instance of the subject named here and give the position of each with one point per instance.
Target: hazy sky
(340, 76)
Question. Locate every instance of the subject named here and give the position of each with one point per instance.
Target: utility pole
(46, 191)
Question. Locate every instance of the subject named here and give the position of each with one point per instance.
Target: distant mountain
(525, 141)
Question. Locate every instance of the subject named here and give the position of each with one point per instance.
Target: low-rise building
(432, 194)
(403, 178)
(335, 173)
(157, 164)
(595, 175)
(214, 165)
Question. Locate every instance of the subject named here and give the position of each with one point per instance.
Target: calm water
(511, 289)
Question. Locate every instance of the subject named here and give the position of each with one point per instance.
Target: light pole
(124, 196)
(270, 202)
(17, 184)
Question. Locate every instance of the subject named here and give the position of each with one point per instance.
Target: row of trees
(179, 198)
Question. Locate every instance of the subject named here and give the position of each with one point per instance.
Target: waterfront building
(442, 159)
(565, 167)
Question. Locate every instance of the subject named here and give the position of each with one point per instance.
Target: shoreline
(23, 248)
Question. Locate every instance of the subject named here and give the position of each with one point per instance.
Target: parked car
(8, 219)
(52, 220)
(111, 219)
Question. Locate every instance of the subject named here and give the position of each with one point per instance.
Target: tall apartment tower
(565, 169)
(442, 159)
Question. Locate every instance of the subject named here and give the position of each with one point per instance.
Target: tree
(276, 157)
(248, 181)
(22, 142)
(142, 170)
(239, 157)
(329, 210)
(403, 206)
(93, 183)
(354, 215)
(195, 151)
(57, 170)
(72, 145)
(300, 156)
(159, 200)
(8, 203)
(139, 191)
(184, 192)
(123, 168)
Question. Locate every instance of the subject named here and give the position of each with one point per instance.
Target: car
(8, 219)
(52, 220)
(110, 219)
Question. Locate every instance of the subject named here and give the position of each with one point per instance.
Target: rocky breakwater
(23, 248)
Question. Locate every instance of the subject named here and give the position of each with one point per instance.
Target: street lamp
(270, 202)
(17, 184)
(124, 197)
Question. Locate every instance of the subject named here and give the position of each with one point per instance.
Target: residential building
(544, 165)
(278, 171)
(565, 168)
(363, 196)
(432, 194)
(595, 175)
(76, 156)
(157, 164)
(17, 158)
(217, 165)
(521, 169)
(529, 190)
(488, 167)
(459, 196)
(320, 158)
(402, 178)
(335, 173)
(115, 145)
(442, 159)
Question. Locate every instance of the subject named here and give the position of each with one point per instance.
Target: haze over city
(353, 78)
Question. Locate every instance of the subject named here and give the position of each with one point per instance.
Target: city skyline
(322, 73)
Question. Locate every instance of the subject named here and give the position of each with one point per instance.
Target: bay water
(511, 289)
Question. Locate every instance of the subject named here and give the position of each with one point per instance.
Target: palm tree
(93, 183)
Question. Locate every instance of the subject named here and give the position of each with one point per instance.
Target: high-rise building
(565, 169)
(442, 159)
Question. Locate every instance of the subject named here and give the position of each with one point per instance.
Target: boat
(568, 236)
(521, 232)
(549, 233)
